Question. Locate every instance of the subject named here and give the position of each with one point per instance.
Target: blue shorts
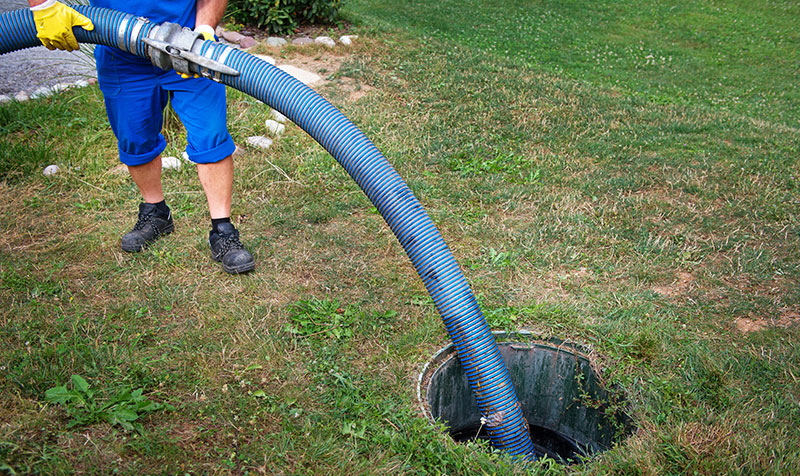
(136, 94)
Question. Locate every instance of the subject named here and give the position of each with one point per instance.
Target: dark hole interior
(545, 442)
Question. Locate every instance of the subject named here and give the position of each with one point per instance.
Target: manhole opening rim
(512, 338)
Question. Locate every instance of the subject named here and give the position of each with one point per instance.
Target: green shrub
(283, 16)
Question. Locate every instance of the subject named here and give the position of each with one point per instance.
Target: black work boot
(149, 227)
(226, 247)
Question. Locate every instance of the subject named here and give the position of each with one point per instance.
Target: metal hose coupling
(172, 46)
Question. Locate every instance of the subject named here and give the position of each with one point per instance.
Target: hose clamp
(136, 30)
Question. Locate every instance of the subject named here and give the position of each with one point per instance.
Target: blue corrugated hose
(443, 278)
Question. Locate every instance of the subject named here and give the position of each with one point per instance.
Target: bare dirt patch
(678, 287)
(747, 326)
(785, 319)
(326, 65)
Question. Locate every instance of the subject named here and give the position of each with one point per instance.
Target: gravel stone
(50, 170)
(325, 40)
(347, 40)
(170, 163)
(274, 127)
(259, 141)
(277, 116)
(302, 41)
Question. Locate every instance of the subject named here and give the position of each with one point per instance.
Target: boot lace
(143, 221)
(227, 243)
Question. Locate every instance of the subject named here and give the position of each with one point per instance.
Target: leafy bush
(283, 16)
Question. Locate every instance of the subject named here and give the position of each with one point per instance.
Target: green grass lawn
(621, 174)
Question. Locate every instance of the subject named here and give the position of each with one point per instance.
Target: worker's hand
(54, 22)
(208, 34)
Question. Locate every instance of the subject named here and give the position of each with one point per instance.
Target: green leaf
(125, 415)
(259, 394)
(58, 395)
(80, 383)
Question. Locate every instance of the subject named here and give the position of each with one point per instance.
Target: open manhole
(570, 414)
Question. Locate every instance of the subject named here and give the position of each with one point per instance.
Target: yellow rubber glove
(54, 22)
(208, 34)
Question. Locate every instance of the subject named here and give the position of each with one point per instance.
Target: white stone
(185, 157)
(50, 170)
(277, 116)
(305, 77)
(268, 59)
(325, 40)
(46, 91)
(81, 83)
(4, 98)
(260, 141)
(276, 41)
(347, 39)
(42, 92)
(275, 127)
(238, 151)
(21, 96)
(170, 163)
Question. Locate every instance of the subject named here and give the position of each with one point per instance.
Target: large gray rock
(247, 42)
(276, 41)
(232, 36)
(325, 40)
(302, 41)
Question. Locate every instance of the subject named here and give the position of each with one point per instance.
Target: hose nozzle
(174, 47)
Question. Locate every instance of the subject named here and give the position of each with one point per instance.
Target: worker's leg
(148, 178)
(134, 104)
(217, 181)
(200, 104)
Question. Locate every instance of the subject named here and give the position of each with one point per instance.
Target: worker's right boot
(150, 226)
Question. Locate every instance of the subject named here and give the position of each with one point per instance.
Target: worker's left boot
(227, 249)
(151, 225)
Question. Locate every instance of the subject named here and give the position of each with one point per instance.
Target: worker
(136, 93)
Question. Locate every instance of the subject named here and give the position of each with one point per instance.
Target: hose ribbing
(485, 369)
